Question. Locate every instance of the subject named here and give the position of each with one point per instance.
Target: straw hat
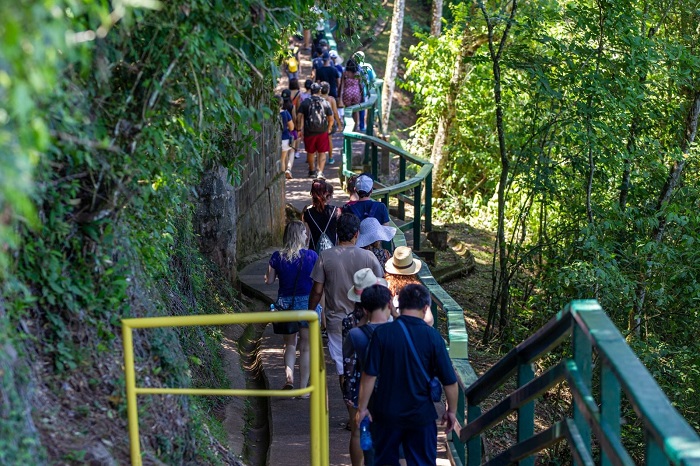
(371, 230)
(362, 279)
(402, 262)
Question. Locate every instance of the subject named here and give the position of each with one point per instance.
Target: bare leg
(356, 455)
(290, 159)
(322, 161)
(290, 356)
(311, 160)
(304, 357)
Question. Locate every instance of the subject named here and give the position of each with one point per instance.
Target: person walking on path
(401, 270)
(351, 88)
(365, 206)
(292, 265)
(337, 122)
(368, 76)
(375, 299)
(329, 73)
(287, 126)
(316, 123)
(403, 413)
(321, 217)
(372, 233)
(333, 277)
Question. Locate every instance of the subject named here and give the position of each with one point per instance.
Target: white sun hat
(371, 230)
(362, 279)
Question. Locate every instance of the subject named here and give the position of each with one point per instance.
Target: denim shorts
(301, 303)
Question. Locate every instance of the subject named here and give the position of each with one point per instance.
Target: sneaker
(312, 173)
(331, 161)
(362, 129)
(320, 176)
(297, 155)
(288, 175)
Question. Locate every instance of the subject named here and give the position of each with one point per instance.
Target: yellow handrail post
(131, 406)
(316, 432)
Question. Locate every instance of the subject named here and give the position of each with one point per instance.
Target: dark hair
(329, 189)
(307, 84)
(350, 184)
(414, 297)
(375, 297)
(348, 226)
(280, 100)
(294, 84)
(287, 105)
(350, 65)
(325, 87)
(319, 189)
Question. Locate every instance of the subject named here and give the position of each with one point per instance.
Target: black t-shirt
(317, 222)
(304, 110)
(330, 75)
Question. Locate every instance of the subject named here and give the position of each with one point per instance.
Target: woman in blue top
(292, 265)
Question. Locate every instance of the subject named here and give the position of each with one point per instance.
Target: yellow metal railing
(317, 379)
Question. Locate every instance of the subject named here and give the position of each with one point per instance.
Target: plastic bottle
(365, 435)
(272, 308)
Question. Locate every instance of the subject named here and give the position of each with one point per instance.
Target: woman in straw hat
(372, 233)
(402, 270)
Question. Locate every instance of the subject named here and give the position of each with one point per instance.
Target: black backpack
(315, 116)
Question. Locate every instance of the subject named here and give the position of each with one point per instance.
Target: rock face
(235, 220)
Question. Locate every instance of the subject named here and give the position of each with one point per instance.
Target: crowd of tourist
(314, 114)
(377, 319)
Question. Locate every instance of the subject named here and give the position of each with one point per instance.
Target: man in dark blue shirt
(328, 73)
(403, 413)
(365, 206)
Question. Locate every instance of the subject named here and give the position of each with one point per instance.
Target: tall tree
(392, 60)
(436, 21)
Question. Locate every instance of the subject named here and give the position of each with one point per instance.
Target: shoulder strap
(368, 331)
(329, 221)
(413, 350)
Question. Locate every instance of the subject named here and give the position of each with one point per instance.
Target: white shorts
(335, 343)
(285, 145)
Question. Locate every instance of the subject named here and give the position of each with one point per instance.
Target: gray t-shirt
(335, 268)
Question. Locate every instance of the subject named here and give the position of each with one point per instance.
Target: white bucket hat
(362, 279)
(402, 262)
(371, 230)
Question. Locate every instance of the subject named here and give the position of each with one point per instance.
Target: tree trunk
(672, 181)
(501, 287)
(468, 47)
(392, 60)
(436, 23)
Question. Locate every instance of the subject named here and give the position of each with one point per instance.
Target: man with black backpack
(316, 124)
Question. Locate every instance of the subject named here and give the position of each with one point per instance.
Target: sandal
(288, 386)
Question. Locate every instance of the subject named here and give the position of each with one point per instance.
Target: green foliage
(591, 91)
(109, 116)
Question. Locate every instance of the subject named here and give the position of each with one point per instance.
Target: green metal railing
(668, 437)
(406, 191)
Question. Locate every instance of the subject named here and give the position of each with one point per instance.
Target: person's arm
(290, 123)
(315, 296)
(270, 276)
(449, 419)
(300, 129)
(336, 115)
(366, 389)
(330, 118)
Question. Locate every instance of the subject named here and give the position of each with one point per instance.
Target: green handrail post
(459, 446)
(375, 162)
(654, 454)
(416, 217)
(526, 413)
(402, 178)
(583, 358)
(609, 405)
(429, 202)
(474, 443)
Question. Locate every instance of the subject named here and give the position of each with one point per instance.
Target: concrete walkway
(290, 417)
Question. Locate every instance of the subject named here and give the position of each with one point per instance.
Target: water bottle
(365, 435)
(272, 307)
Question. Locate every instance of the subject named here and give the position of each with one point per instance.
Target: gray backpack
(324, 242)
